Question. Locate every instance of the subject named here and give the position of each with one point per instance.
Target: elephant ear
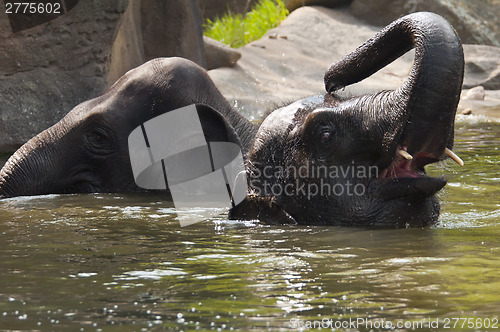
(195, 154)
(183, 145)
(215, 127)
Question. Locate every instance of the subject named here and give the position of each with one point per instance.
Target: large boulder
(172, 28)
(476, 21)
(219, 55)
(294, 4)
(482, 66)
(48, 69)
(127, 49)
(211, 9)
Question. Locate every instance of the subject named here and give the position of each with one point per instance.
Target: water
(123, 263)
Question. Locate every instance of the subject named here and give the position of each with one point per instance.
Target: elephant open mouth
(405, 165)
(406, 176)
(407, 173)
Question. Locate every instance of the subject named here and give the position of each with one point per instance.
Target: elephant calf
(321, 160)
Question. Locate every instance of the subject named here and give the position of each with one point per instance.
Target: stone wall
(48, 69)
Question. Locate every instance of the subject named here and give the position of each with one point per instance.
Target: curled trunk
(427, 101)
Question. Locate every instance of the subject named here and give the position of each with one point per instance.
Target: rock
(476, 21)
(476, 93)
(489, 106)
(50, 68)
(219, 55)
(172, 28)
(482, 66)
(128, 50)
(211, 9)
(294, 4)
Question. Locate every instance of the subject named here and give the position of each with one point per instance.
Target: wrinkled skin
(87, 150)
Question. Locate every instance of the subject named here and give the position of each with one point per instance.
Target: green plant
(237, 30)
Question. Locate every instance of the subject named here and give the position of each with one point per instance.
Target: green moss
(237, 30)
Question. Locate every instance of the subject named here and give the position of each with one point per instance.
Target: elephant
(322, 160)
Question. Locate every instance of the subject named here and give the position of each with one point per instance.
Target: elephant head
(87, 151)
(360, 161)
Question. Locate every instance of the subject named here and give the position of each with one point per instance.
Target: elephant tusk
(405, 154)
(453, 156)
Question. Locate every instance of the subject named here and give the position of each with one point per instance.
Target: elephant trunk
(423, 109)
(31, 170)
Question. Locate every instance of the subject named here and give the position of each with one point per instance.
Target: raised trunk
(427, 101)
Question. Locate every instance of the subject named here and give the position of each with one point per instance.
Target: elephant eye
(99, 140)
(96, 138)
(326, 136)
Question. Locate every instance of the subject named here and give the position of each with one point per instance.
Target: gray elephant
(326, 159)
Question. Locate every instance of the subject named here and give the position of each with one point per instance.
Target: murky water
(122, 262)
